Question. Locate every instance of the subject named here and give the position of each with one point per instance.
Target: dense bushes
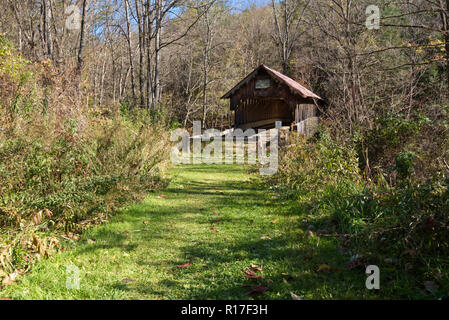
(63, 168)
(385, 193)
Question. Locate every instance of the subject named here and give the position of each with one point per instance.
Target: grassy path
(136, 255)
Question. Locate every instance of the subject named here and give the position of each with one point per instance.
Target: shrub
(405, 220)
(63, 168)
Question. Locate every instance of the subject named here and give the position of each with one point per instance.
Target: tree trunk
(81, 45)
(207, 42)
(130, 52)
(148, 52)
(446, 38)
(157, 57)
(141, 54)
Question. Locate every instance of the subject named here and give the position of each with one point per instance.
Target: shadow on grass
(290, 260)
(286, 269)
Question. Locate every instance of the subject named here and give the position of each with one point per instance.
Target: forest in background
(77, 99)
(179, 57)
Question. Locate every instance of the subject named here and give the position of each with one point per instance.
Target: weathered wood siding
(277, 103)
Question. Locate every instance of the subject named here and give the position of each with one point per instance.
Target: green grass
(251, 228)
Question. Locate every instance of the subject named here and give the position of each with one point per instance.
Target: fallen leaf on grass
(162, 196)
(48, 213)
(251, 274)
(5, 298)
(257, 268)
(128, 280)
(126, 255)
(265, 238)
(307, 258)
(71, 236)
(91, 241)
(323, 267)
(257, 290)
(294, 296)
(275, 221)
(8, 280)
(185, 265)
(216, 213)
(214, 229)
(37, 219)
(146, 222)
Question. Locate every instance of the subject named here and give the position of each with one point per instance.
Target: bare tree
(287, 23)
(81, 44)
(130, 51)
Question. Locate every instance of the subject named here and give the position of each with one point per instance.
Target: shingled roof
(292, 84)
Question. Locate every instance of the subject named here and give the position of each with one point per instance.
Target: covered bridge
(266, 96)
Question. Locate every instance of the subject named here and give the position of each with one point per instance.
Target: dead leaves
(307, 258)
(40, 247)
(163, 196)
(10, 279)
(250, 273)
(7, 281)
(126, 280)
(257, 268)
(324, 268)
(255, 272)
(188, 264)
(294, 296)
(38, 217)
(70, 236)
(257, 290)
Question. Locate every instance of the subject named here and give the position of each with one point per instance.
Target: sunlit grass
(145, 244)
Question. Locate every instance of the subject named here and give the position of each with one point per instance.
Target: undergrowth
(64, 166)
(385, 194)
